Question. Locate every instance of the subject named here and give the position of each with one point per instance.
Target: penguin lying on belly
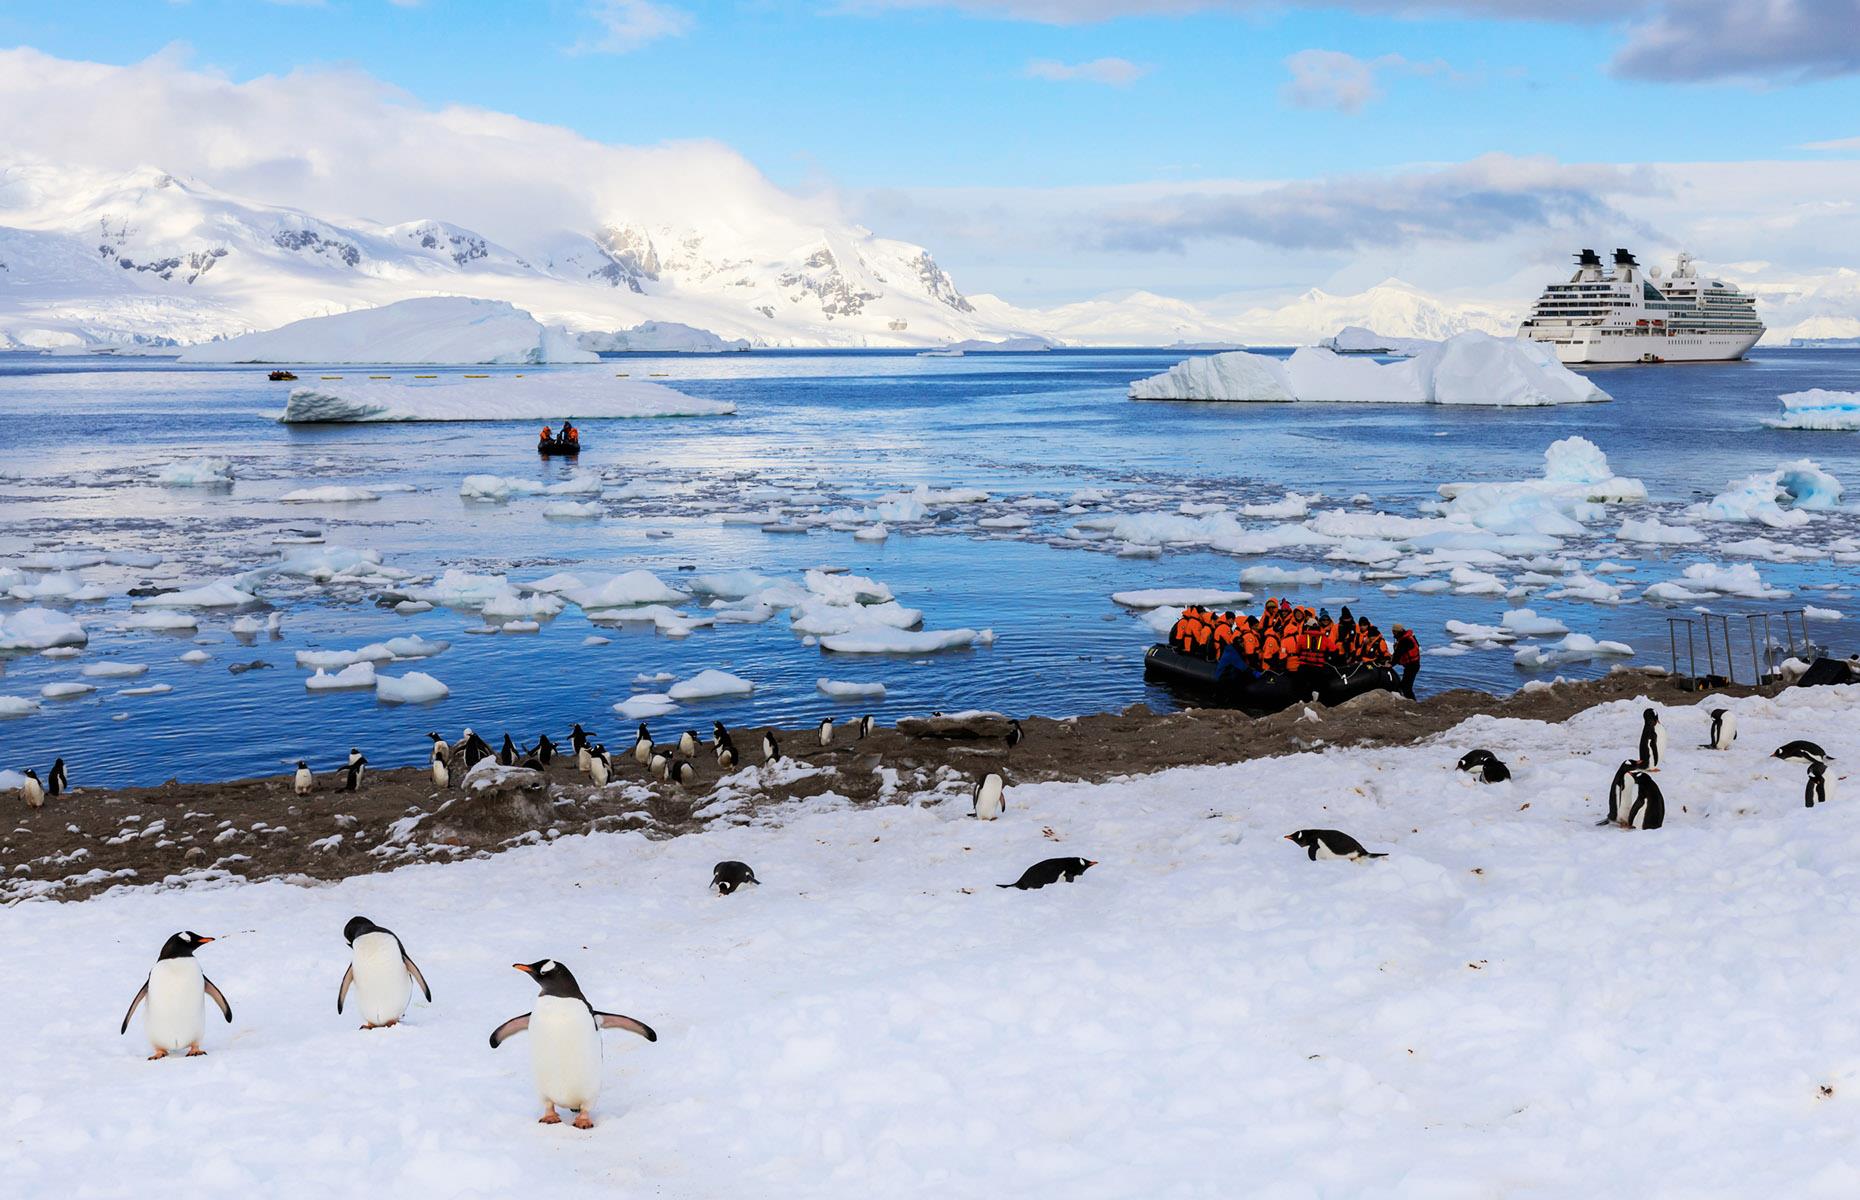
(565, 1041)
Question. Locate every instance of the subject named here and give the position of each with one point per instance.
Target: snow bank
(580, 395)
(196, 472)
(709, 684)
(1818, 408)
(415, 687)
(427, 329)
(40, 629)
(1780, 499)
(1467, 369)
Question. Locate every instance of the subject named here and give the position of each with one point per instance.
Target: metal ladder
(1762, 653)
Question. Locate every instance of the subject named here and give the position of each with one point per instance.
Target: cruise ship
(1632, 316)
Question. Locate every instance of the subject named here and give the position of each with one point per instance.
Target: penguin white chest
(1322, 851)
(565, 1052)
(382, 985)
(988, 804)
(177, 1005)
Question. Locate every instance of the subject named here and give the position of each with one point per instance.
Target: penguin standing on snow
(381, 972)
(303, 782)
(1050, 870)
(1330, 843)
(32, 791)
(1819, 788)
(1723, 729)
(56, 781)
(1802, 752)
(826, 731)
(177, 994)
(1652, 741)
(565, 1041)
(771, 749)
(1634, 799)
(729, 875)
(352, 781)
(988, 800)
(642, 746)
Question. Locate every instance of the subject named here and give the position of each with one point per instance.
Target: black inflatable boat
(557, 446)
(1269, 693)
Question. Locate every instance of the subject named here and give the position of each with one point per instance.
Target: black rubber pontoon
(1269, 693)
(557, 446)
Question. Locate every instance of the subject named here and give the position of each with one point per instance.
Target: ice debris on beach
(583, 393)
(1466, 369)
(1820, 409)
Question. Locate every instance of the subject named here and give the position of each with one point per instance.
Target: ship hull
(1588, 346)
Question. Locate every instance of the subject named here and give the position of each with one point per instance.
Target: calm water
(85, 437)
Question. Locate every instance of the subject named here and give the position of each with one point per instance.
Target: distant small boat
(552, 446)
(281, 377)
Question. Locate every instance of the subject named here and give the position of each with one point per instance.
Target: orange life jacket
(571, 433)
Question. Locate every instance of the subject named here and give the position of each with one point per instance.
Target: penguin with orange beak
(565, 1041)
(176, 991)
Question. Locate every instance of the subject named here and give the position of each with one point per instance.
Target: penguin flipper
(141, 995)
(414, 970)
(219, 997)
(509, 1029)
(342, 993)
(607, 1020)
(1375, 854)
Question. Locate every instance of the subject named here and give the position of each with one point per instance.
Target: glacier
(429, 330)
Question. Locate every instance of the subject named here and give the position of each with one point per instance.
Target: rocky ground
(91, 840)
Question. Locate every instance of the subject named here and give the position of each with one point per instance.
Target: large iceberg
(1354, 339)
(1467, 369)
(661, 337)
(428, 329)
(1818, 408)
(546, 396)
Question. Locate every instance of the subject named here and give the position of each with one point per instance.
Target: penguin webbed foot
(159, 1054)
(196, 1052)
(549, 1117)
(583, 1120)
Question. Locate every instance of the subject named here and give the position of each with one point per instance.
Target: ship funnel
(1624, 259)
(1588, 258)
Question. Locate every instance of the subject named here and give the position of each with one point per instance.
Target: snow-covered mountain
(148, 256)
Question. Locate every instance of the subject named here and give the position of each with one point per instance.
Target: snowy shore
(878, 1019)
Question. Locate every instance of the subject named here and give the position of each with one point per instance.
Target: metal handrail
(1766, 652)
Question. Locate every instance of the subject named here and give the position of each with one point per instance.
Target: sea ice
(586, 393)
(196, 472)
(709, 684)
(415, 687)
(39, 628)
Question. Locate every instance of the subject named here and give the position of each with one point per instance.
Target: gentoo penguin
(476, 749)
(771, 749)
(826, 731)
(353, 773)
(1050, 870)
(1489, 769)
(565, 1035)
(354, 754)
(578, 741)
(32, 791)
(304, 782)
(177, 994)
(56, 781)
(1802, 752)
(1472, 760)
(866, 725)
(508, 755)
(718, 734)
(683, 773)
(442, 750)
(1820, 787)
(1642, 806)
(600, 768)
(1620, 792)
(642, 746)
(727, 876)
(659, 763)
(687, 742)
(1015, 736)
(381, 973)
(1330, 843)
(545, 750)
(987, 801)
(1652, 741)
(442, 774)
(1723, 729)
(726, 754)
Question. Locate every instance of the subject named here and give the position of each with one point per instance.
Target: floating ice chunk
(1780, 499)
(1577, 647)
(161, 620)
(1813, 613)
(1818, 408)
(197, 472)
(1467, 631)
(872, 533)
(115, 670)
(1179, 597)
(653, 677)
(1586, 587)
(568, 510)
(844, 690)
(645, 706)
(1771, 551)
(1525, 622)
(595, 639)
(1290, 508)
(17, 706)
(1009, 521)
(1674, 593)
(415, 687)
(846, 589)
(509, 606)
(1280, 576)
(61, 585)
(588, 394)
(196, 656)
(1741, 579)
(39, 628)
(153, 689)
(632, 588)
(355, 675)
(65, 691)
(331, 493)
(900, 641)
(1652, 532)
(498, 487)
(729, 585)
(335, 660)
(414, 646)
(407, 608)
(709, 684)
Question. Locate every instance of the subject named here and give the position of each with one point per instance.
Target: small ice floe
(218, 594)
(331, 493)
(621, 591)
(653, 678)
(1813, 613)
(196, 656)
(846, 690)
(904, 641)
(872, 533)
(1818, 408)
(40, 629)
(1525, 622)
(355, 676)
(645, 706)
(569, 510)
(1179, 597)
(1703, 579)
(17, 706)
(710, 684)
(1782, 498)
(1650, 531)
(1577, 647)
(595, 639)
(65, 691)
(197, 472)
(153, 689)
(115, 670)
(1282, 577)
(520, 626)
(408, 608)
(415, 687)
(161, 621)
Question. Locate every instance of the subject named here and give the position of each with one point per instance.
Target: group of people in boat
(570, 436)
(1288, 638)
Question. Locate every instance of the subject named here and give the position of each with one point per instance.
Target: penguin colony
(565, 1027)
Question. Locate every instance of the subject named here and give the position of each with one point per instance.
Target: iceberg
(662, 337)
(1467, 369)
(1577, 481)
(580, 394)
(426, 329)
(1354, 339)
(1779, 499)
(1818, 408)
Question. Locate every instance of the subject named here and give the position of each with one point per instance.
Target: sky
(1050, 150)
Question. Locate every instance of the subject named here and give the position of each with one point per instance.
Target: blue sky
(889, 97)
(1056, 149)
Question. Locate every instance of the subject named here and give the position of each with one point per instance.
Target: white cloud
(1117, 72)
(626, 25)
(1852, 143)
(1334, 79)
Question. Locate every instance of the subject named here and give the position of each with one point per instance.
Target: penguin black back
(1015, 736)
(1333, 843)
(1801, 751)
(352, 781)
(1050, 870)
(545, 750)
(1472, 760)
(55, 780)
(729, 875)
